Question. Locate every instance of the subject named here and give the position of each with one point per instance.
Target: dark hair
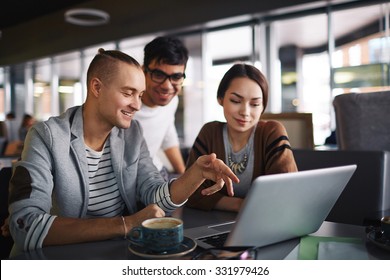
(167, 50)
(242, 70)
(10, 115)
(26, 118)
(104, 64)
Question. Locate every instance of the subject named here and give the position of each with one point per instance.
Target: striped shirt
(104, 197)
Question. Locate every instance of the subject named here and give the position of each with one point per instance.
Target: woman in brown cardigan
(250, 146)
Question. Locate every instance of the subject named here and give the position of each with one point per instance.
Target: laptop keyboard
(217, 240)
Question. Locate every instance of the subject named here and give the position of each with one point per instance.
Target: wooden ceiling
(21, 11)
(34, 29)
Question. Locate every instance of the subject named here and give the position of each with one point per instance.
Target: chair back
(363, 121)
(299, 128)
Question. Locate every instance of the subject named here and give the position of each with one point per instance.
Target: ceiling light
(87, 17)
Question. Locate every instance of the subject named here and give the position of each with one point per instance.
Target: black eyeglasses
(159, 76)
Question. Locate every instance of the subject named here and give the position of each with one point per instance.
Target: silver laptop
(279, 207)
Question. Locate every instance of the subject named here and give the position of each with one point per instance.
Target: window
(69, 84)
(223, 48)
(365, 48)
(299, 55)
(42, 89)
(2, 94)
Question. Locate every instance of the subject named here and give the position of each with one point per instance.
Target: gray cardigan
(51, 179)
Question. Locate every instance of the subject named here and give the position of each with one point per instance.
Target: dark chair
(363, 121)
(6, 243)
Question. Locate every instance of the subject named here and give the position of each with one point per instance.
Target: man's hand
(150, 211)
(5, 228)
(216, 170)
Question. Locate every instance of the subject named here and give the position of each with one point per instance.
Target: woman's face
(242, 104)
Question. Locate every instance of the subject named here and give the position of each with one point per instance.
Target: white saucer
(187, 246)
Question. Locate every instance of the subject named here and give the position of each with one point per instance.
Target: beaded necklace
(239, 167)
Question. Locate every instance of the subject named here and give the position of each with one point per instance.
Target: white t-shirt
(158, 124)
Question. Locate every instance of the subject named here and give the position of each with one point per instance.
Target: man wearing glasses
(165, 60)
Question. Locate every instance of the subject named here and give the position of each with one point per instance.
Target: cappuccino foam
(162, 224)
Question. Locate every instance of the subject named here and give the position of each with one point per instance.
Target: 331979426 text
(178, 271)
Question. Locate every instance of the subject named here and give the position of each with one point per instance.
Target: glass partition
(135, 47)
(222, 49)
(69, 68)
(300, 45)
(2, 94)
(362, 55)
(42, 92)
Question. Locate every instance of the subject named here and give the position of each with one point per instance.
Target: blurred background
(310, 51)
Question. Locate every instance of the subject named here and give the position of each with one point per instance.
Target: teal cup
(158, 234)
(385, 226)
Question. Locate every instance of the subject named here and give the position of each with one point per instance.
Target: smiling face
(242, 104)
(120, 96)
(160, 94)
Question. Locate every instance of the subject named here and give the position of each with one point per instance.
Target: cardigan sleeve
(278, 155)
(209, 140)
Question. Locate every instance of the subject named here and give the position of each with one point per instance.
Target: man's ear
(220, 101)
(96, 86)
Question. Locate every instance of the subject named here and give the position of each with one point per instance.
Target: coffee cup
(385, 226)
(158, 234)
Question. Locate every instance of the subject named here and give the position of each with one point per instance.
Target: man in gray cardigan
(83, 174)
